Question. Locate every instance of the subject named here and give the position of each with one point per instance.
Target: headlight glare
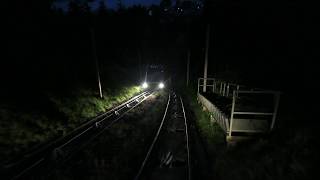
(161, 85)
(145, 85)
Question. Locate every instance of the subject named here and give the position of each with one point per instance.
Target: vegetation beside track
(23, 128)
(85, 104)
(289, 153)
(120, 150)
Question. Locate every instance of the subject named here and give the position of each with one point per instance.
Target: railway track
(48, 156)
(168, 156)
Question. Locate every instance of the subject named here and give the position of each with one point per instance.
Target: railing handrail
(258, 92)
(233, 91)
(252, 113)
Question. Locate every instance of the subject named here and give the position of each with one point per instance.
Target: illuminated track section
(47, 157)
(168, 156)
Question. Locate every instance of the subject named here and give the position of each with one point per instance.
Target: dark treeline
(263, 44)
(50, 49)
(272, 43)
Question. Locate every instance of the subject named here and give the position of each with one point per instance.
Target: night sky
(112, 4)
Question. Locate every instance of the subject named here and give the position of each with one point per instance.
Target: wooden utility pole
(205, 72)
(94, 51)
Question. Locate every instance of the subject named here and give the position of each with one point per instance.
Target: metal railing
(248, 124)
(67, 144)
(219, 87)
(217, 115)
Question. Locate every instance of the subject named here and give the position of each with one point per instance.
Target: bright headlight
(161, 85)
(144, 85)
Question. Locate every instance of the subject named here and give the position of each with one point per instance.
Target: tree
(74, 8)
(102, 9)
(86, 8)
(120, 5)
(178, 3)
(165, 4)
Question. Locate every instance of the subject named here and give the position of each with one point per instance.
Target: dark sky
(109, 3)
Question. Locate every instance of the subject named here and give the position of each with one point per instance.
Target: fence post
(276, 106)
(198, 84)
(237, 90)
(213, 85)
(223, 88)
(228, 90)
(232, 110)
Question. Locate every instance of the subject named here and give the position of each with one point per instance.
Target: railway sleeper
(171, 160)
(176, 115)
(180, 130)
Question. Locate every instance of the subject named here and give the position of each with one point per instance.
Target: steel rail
(153, 142)
(105, 128)
(150, 149)
(38, 149)
(124, 105)
(187, 138)
(72, 136)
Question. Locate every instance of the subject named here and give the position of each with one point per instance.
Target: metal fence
(215, 113)
(251, 121)
(220, 87)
